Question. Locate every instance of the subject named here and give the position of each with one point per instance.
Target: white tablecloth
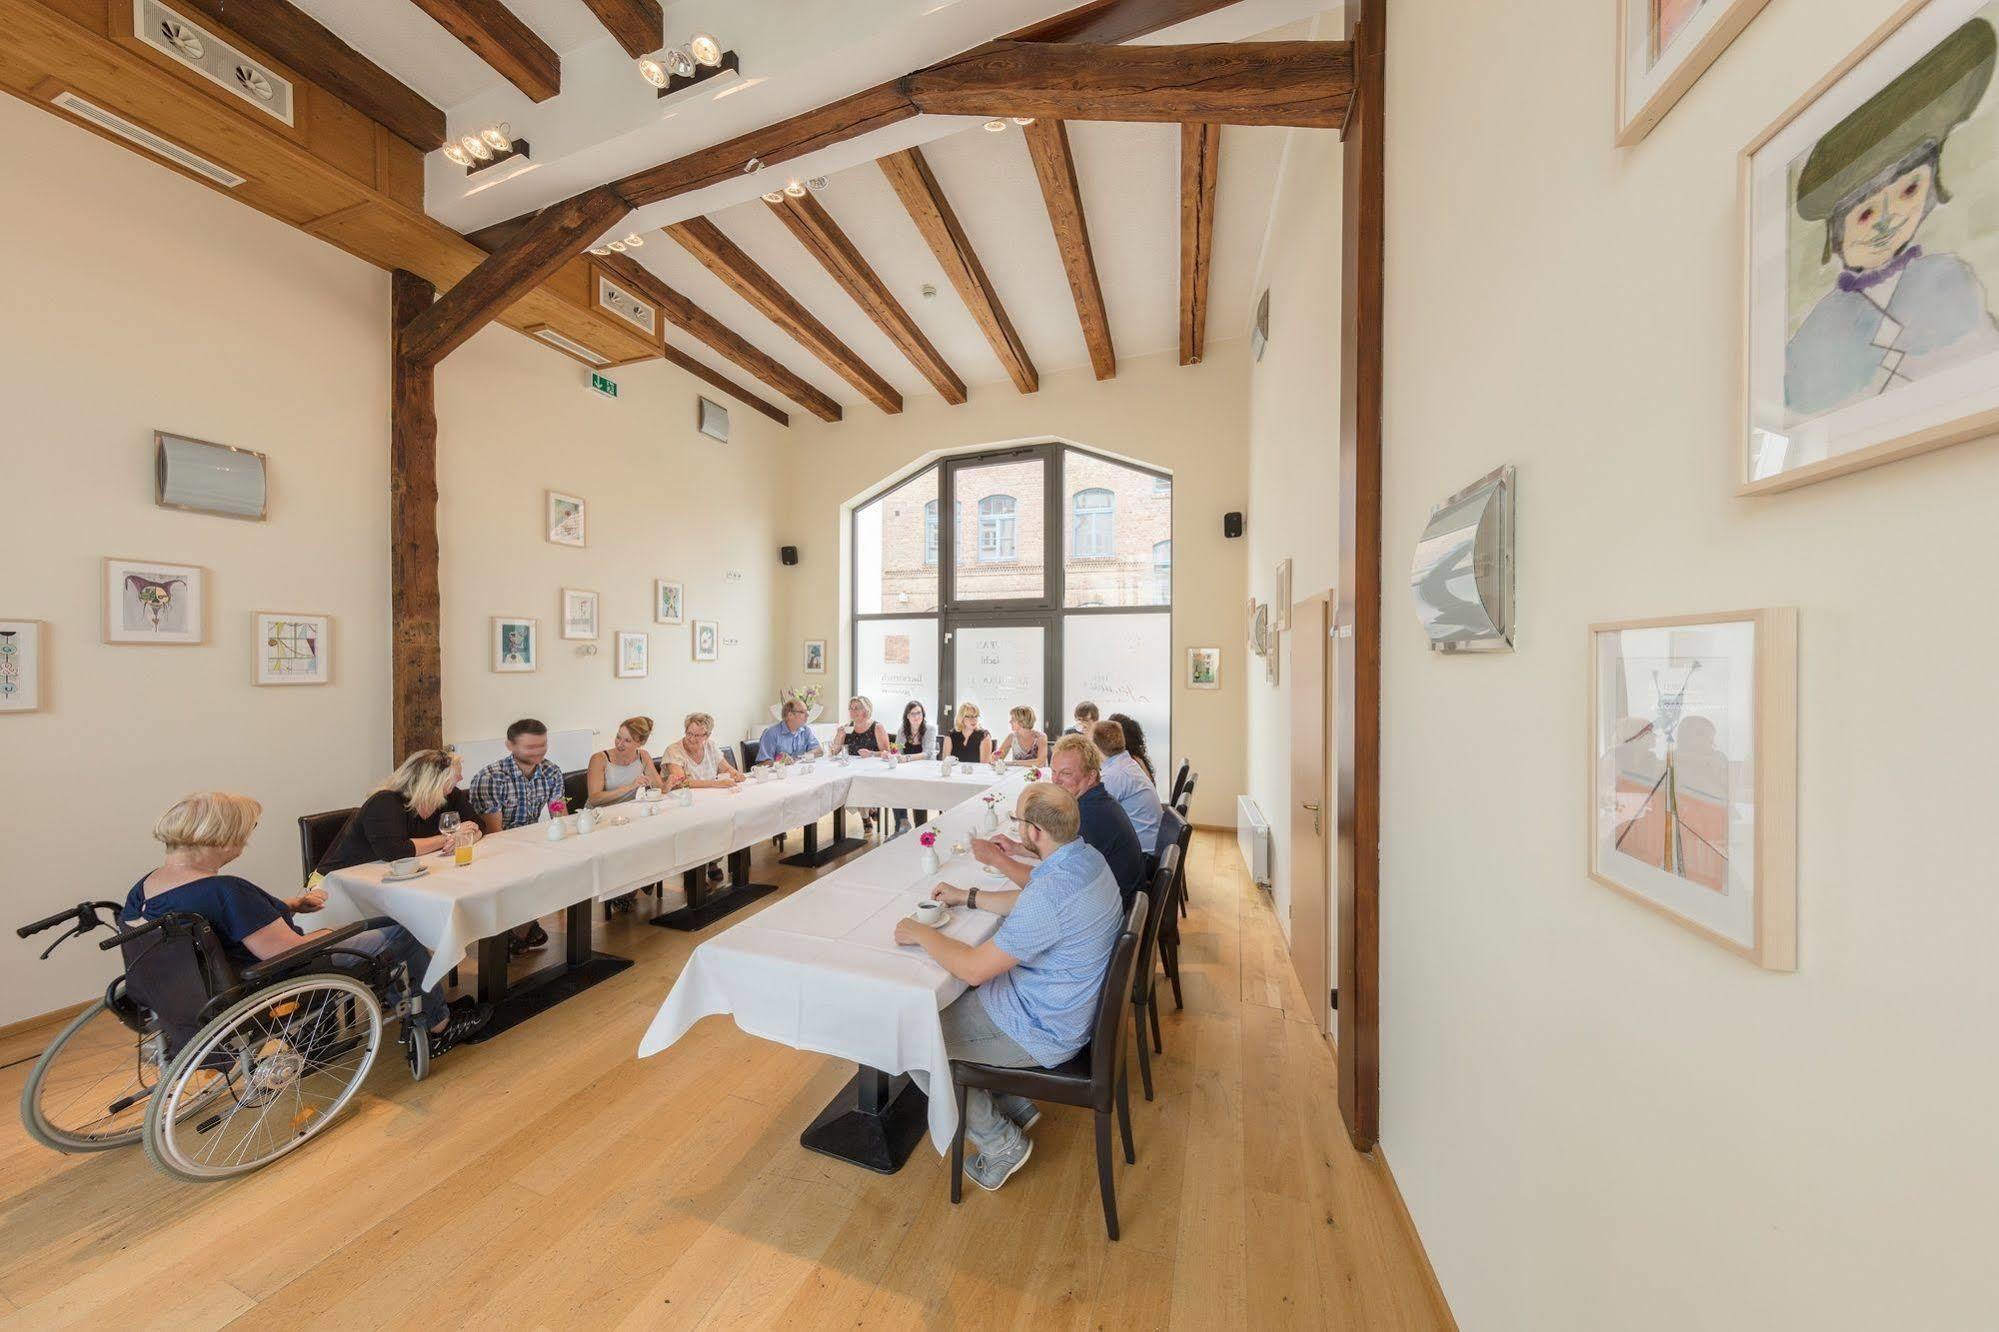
(519, 875)
(821, 970)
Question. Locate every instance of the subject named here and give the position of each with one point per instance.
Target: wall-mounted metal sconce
(1462, 577)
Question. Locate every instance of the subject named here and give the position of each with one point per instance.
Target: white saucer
(946, 920)
(421, 870)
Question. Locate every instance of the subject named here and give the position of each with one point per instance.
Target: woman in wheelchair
(401, 817)
(205, 832)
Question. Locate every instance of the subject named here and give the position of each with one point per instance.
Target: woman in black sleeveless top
(863, 737)
(913, 740)
(968, 742)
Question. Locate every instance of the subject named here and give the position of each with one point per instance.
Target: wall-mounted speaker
(207, 478)
(1232, 525)
(788, 554)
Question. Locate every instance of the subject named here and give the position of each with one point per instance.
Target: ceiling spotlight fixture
(1023, 120)
(600, 249)
(619, 246)
(679, 63)
(652, 71)
(635, 240)
(498, 137)
(456, 153)
(705, 49)
(774, 197)
(795, 188)
(701, 59)
(754, 165)
(996, 127)
(815, 183)
(490, 146)
(476, 146)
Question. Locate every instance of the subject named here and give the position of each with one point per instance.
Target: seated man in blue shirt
(1078, 768)
(789, 740)
(514, 791)
(1129, 785)
(1035, 983)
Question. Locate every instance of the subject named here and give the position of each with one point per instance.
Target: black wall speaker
(1232, 524)
(788, 554)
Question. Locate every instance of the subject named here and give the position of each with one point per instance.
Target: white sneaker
(989, 1171)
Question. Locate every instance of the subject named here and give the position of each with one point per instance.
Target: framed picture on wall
(668, 602)
(1693, 774)
(634, 655)
(1871, 248)
(564, 519)
(516, 643)
(1663, 47)
(292, 649)
(815, 656)
(20, 665)
(706, 639)
(1204, 668)
(579, 613)
(146, 602)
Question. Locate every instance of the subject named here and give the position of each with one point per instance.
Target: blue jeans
(385, 938)
(970, 1034)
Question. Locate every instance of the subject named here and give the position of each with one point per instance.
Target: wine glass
(447, 823)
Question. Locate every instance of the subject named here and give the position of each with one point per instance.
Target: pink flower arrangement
(558, 807)
(928, 837)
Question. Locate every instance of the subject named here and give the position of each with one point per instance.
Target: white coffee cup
(405, 867)
(930, 913)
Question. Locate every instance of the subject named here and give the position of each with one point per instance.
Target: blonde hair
(208, 819)
(867, 704)
(1080, 746)
(969, 709)
(1051, 809)
(1024, 715)
(640, 727)
(424, 779)
(694, 719)
(1109, 737)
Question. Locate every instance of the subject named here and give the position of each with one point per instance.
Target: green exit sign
(604, 384)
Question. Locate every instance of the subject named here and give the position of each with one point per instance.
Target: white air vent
(145, 138)
(626, 306)
(174, 34)
(570, 345)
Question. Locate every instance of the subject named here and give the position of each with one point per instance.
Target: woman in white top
(619, 773)
(694, 760)
(1023, 744)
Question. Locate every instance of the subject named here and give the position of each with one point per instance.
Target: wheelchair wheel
(416, 1050)
(270, 1073)
(89, 1090)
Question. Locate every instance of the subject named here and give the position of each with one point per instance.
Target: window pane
(1000, 669)
(890, 539)
(999, 541)
(1162, 573)
(894, 661)
(1122, 663)
(1118, 518)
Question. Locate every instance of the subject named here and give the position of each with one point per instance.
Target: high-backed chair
(1183, 802)
(1179, 782)
(316, 835)
(1169, 923)
(1094, 1080)
(1144, 999)
(576, 789)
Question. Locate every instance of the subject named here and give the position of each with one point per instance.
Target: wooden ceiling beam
(637, 24)
(717, 379)
(1055, 169)
(1109, 21)
(748, 279)
(510, 46)
(557, 234)
(909, 174)
(1237, 83)
(293, 37)
(696, 322)
(1200, 164)
(807, 219)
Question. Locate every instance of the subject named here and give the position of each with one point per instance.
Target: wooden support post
(417, 707)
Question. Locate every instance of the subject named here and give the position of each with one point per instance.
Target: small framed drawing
(815, 656)
(292, 649)
(1871, 249)
(145, 602)
(706, 636)
(516, 643)
(1204, 668)
(1663, 47)
(579, 613)
(668, 602)
(20, 665)
(634, 655)
(1693, 774)
(564, 519)
(1280, 609)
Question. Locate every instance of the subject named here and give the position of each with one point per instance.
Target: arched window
(1092, 528)
(996, 529)
(1162, 573)
(930, 533)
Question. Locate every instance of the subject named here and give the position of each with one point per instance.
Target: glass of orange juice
(463, 852)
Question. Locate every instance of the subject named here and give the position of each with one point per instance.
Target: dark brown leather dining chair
(1144, 999)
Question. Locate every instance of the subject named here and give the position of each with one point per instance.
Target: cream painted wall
(1294, 447)
(1189, 419)
(1599, 1120)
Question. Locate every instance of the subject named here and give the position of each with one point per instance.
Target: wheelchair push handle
(123, 937)
(83, 915)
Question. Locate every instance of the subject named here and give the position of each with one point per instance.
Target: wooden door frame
(1358, 626)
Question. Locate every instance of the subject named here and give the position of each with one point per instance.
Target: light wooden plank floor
(549, 1179)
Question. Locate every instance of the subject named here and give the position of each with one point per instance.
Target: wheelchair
(218, 1071)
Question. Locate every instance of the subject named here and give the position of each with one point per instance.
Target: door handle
(1317, 830)
(1314, 808)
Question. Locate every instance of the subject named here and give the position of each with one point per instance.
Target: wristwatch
(972, 898)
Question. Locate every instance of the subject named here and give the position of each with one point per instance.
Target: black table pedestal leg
(815, 855)
(703, 910)
(514, 1003)
(875, 1121)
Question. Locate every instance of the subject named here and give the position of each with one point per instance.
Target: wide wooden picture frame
(1692, 778)
(1648, 87)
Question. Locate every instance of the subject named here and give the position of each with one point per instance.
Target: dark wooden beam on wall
(637, 24)
(1358, 646)
(1109, 21)
(807, 220)
(748, 279)
(1235, 83)
(935, 220)
(505, 43)
(1055, 168)
(416, 714)
(556, 235)
(1200, 167)
(293, 37)
(703, 373)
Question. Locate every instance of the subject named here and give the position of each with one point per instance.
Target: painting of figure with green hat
(1895, 232)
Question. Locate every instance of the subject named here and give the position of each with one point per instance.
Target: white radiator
(1252, 838)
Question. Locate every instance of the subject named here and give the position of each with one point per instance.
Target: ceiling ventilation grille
(182, 39)
(570, 345)
(626, 306)
(146, 139)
